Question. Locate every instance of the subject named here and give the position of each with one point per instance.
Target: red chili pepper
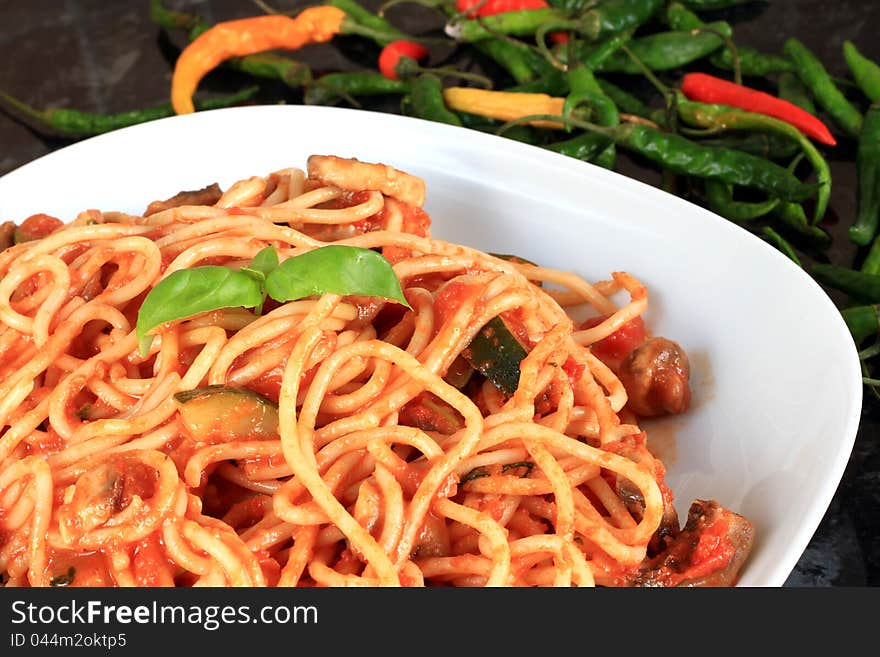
(491, 7)
(709, 89)
(394, 51)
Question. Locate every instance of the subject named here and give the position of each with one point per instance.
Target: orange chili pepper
(247, 36)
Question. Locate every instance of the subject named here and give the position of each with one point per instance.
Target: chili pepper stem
(351, 26)
(541, 42)
(731, 46)
(388, 4)
(633, 118)
(648, 73)
(265, 7)
(570, 120)
(22, 108)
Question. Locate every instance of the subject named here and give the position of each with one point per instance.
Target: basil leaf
(335, 269)
(188, 292)
(264, 263)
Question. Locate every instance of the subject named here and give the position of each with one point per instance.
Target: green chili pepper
(553, 83)
(76, 124)
(515, 23)
(865, 71)
(604, 50)
(664, 51)
(170, 19)
(584, 146)
(613, 16)
(273, 66)
(780, 243)
(583, 86)
(375, 27)
(752, 63)
(763, 144)
(679, 17)
(791, 88)
(585, 89)
(607, 18)
(719, 197)
(792, 216)
(686, 157)
(864, 227)
(573, 6)
(510, 57)
(747, 61)
(862, 321)
(425, 101)
(815, 77)
(333, 86)
(857, 284)
(520, 60)
(625, 101)
(723, 117)
(871, 263)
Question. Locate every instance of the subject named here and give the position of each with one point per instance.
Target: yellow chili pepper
(247, 36)
(504, 105)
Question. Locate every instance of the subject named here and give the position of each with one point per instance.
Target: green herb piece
(188, 292)
(335, 269)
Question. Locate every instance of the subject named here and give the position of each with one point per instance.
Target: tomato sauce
(151, 567)
(573, 369)
(270, 567)
(450, 298)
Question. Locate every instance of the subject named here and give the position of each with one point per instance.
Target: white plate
(778, 392)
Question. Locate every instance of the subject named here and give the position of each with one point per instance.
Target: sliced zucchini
(459, 373)
(430, 413)
(496, 354)
(229, 413)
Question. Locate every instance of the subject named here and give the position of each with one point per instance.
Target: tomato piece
(36, 227)
(617, 346)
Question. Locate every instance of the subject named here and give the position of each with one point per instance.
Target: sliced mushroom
(656, 378)
(710, 550)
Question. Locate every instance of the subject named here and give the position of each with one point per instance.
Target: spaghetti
(332, 440)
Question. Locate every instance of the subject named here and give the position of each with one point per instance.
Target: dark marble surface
(106, 56)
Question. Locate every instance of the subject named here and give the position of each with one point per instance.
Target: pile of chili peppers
(742, 132)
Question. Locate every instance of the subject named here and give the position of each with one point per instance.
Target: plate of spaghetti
(310, 346)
